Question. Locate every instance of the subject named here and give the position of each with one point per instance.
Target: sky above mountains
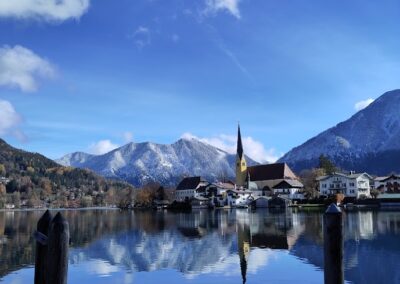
(93, 75)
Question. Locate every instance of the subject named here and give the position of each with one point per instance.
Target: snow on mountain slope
(140, 163)
(369, 140)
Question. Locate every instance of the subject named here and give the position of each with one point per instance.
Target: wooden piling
(41, 235)
(57, 262)
(333, 245)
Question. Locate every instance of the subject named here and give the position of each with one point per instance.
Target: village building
(389, 184)
(266, 180)
(290, 189)
(252, 183)
(189, 188)
(351, 185)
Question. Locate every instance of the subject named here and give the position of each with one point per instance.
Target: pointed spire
(239, 150)
(243, 269)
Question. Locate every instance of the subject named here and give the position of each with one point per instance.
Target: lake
(221, 246)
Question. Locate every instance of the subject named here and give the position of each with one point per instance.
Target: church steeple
(239, 150)
(241, 165)
(243, 231)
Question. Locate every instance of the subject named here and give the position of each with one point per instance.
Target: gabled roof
(190, 183)
(225, 185)
(289, 183)
(350, 176)
(391, 177)
(270, 172)
(380, 178)
(358, 175)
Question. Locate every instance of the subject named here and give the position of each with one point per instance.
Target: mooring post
(333, 245)
(57, 261)
(41, 236)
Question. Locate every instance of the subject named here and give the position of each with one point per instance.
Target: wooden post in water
(41, 235)
(57, 262)
(333, 245)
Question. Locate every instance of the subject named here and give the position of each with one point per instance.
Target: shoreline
(59, 209)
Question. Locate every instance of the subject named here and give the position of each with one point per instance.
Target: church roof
(190, 183)
(270, 172)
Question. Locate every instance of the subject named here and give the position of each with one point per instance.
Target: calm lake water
(222, 246)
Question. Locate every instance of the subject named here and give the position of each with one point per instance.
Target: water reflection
(230, 245)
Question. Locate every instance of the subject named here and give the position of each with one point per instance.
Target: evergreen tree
(327, 165)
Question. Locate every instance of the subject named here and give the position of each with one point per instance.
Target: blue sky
(91, 75)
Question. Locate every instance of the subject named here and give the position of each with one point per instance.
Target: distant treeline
(32, 180)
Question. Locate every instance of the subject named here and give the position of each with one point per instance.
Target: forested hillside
(32, 180)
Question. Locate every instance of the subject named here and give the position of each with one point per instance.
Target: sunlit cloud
(10, 121)
(22, 68)
(363, 104)
(102, 147)
(47, 10)
(252, 148)
(230, 6)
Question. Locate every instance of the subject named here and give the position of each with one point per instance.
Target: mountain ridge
(364, 142)
(140, 163)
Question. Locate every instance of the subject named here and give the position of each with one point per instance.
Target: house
(389, 184)
(238, 197)
(189, 188)
(351, 185)
(289, 188)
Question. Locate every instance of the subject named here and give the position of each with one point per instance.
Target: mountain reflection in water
(206, 246)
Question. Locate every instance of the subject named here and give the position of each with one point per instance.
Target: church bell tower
(241, 165)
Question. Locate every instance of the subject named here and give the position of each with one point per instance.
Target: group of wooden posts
(52, 241)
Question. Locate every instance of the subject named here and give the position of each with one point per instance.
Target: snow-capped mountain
(368, 141)
(140, 163)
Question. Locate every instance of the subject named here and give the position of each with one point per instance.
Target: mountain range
(367, 142)
(141, 163)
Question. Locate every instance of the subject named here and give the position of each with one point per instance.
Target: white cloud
(49, 10)
(102, 147)
(252, 148)
(20, 67)
(10, 121)
(363, 104)
(128, 136)
(231, 6)
(142, 37)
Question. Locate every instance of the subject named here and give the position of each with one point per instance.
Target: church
(266, 180)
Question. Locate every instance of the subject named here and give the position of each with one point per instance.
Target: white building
(390, 184)
(190, 188)
(290, 189)
(351, 185)
(238, 198)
